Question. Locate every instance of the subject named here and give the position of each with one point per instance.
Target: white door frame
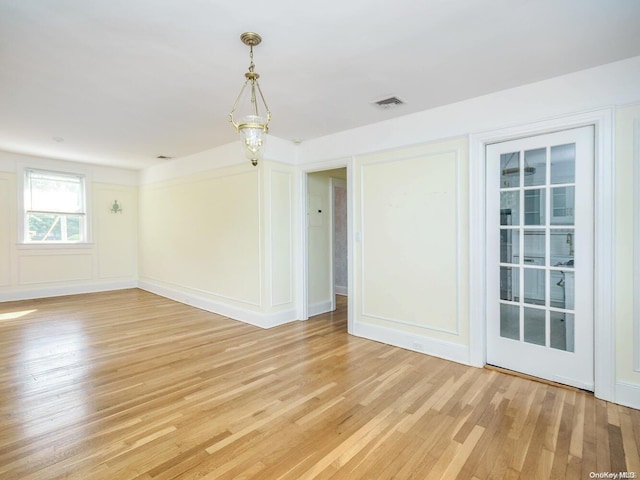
(302, 285)
(334, 182)
(604, 208)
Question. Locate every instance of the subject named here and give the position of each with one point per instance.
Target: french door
(540, 256)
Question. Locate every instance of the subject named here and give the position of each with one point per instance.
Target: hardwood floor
(129, 385)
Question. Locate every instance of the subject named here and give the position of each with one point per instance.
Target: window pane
(562, 247)
(534, 207)
(510, 321)
(534, 247)
(51, 192)
(563, 164)
(562, 205)
(510, 283)
(535, 167)
(562, 289)
(51, 227)
(509, 245)
(534, 283)
(510, 170)
(509, 208)
(562, 330)
(534, 326)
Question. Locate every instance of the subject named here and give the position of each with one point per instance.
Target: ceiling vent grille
(387, 103)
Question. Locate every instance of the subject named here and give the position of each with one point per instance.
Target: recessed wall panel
(281, 206)
(54, 268)
(410, 241)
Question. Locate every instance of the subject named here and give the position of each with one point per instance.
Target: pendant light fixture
(251, 110)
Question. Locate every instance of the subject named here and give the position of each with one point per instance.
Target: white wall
(626, 247)
(411, 223)
(613, 85)
(217, 233)
(201, 233)
(108, 262)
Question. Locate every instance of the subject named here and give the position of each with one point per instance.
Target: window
(54, 207)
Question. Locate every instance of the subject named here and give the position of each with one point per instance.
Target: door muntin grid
(537, 254)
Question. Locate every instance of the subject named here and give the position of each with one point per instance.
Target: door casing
(604, 255)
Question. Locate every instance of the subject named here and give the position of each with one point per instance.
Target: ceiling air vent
(387, 103)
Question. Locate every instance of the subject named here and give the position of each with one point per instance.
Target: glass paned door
(540, 262)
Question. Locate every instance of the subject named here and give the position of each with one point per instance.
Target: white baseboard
(628, 394)
(341, 290)
(195, 299)
(45, 292)
(437, 348)
(319, 308)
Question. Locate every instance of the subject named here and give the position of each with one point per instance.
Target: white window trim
(54, 167)
(604, 255)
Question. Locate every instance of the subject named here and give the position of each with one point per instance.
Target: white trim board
(636, 246)
(417, 343)
(628, 394)
(269, 236)
(604, 255)
(258, 319)
(33, 293)
(320, 308)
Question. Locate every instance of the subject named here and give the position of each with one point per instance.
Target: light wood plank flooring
(129, 385)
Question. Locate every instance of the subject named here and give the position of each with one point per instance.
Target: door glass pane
(510, 208)
(563, 164)
(562, 247)
(510, 283)
(535, 167)
(510, 321)
(534, 206)
(534, 326)
(510, 170)
(562, 289)
(509, 245)
(562, 330)
(534, 292)
(562, 206)
(534, 247)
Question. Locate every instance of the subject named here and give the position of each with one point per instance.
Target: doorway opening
(327, 245)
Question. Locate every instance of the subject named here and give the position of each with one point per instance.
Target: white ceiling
(123, 81)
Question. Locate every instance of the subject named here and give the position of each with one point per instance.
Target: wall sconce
(115, 208)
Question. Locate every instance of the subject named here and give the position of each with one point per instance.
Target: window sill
(53, 246)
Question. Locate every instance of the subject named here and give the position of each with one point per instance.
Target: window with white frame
(54, 207)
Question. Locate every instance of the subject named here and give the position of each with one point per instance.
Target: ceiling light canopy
(252, 114)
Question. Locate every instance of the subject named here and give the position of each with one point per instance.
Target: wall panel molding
(68, 267)
(636, 245)
(366, 310)
(287, 298)
(5, 232)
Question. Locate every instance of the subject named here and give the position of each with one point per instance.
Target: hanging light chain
(251, 65)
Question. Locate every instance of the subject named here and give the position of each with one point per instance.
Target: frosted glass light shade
(253, 131)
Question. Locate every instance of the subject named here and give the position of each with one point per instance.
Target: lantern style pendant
(253, 115)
